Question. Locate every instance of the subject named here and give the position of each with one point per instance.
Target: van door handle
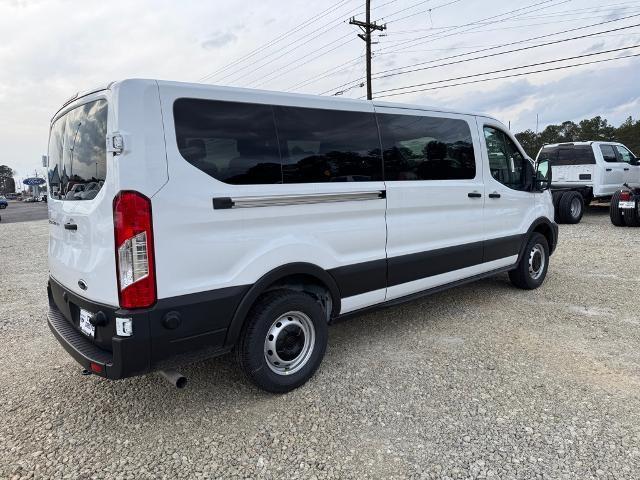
(70, 226)
(626, 169)
(494, 195)
(474, 195)
(608, 169)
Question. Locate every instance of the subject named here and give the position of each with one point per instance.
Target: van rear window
(78, 152)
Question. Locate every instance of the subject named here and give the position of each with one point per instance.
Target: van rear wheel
(284, 340)
(532, 267)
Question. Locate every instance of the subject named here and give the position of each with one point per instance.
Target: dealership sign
(34, 181)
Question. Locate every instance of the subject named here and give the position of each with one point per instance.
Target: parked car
(3, 202)
(233, 219)
(624, 209)
(74, 190)
(584, 171)
(90, 190)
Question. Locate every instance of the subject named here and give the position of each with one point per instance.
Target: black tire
(263, 319)
(522, 276)
(556, 199)
(614, 211)
(571, 207)
(631, 216)
(556, 204)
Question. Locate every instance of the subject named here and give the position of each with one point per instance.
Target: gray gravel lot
(483, 381)
(23, 212)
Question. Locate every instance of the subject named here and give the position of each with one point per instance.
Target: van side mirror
(635, 161)
(542, 179)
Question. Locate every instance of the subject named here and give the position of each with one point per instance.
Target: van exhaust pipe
(174, 378)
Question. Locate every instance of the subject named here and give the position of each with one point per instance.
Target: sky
(51, 49)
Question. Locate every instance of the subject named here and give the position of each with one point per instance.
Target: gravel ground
(483, 381)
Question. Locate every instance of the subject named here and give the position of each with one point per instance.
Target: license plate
(85, 324)
(630, 205)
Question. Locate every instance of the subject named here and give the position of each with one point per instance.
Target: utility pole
(367, 27)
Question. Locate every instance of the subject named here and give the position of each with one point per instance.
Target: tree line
(593, 129)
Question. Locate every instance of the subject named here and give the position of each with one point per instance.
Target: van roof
(329, 99)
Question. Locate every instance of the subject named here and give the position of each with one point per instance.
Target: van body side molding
(220, 203)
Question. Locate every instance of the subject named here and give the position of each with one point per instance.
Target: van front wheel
(283, 341)
(532, 267)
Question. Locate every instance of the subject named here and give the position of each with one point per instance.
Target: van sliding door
(435, 198)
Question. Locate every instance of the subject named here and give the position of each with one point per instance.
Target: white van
(233, 219)
(584, 171)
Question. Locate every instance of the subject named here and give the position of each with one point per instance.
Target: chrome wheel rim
(537, 260)
(289, 343)
(576, 207)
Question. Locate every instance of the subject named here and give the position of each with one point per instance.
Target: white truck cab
(231, 219)
(584, 171)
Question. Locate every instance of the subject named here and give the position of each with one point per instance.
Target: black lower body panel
(197, 331)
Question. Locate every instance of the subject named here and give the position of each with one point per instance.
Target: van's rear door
(81, 241)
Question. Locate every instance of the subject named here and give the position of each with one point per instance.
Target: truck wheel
(283, 341)
(571, 207)
(631, 217)
(556, 204)
(532, 267)
(614, 211)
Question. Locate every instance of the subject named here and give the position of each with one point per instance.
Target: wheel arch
(290, 275)
(545, 227)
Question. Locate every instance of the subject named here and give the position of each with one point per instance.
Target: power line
(388, 73)
(585, 55)
(280, 72)
(324, 74)
(296, 44)
(564, 13)
(428, 10)
(553, 42)
(471, 24)
(513, 75)
(288, 33)
(468, 24)
(510, 27)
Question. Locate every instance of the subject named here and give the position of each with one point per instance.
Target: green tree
(629, 134)
(596, 128)
(530, 141)
(6, 171)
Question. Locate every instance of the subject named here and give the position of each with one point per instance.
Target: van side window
(426, 148)
(328, 145)
(233, 142)
(506, 163)
(608, 153)
(625, 155)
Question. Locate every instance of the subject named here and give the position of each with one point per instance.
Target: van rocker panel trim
(220, 203)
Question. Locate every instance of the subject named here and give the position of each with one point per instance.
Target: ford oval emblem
(82, 284)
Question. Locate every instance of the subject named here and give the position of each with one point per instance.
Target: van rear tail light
(625, 195)
(134, 250)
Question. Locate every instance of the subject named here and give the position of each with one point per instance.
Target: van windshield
(78, 153)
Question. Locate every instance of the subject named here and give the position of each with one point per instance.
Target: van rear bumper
(128, 356)
(200, 332)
